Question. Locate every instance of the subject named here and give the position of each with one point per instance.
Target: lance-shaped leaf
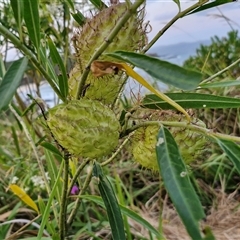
(191, 100)
(79, 18)
(177, 183)
(52, 149)
(2, 69)
(111, 204)
(63, 80)
(98, 4)
(211, 5)
(161, 70)
(128, 212)
(17, 7)
(11, 81)
(232, 150)
(221, 84)
(70, 4)
(23, 196)
(31, 17)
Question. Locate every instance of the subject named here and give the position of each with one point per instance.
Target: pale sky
(195, 27)
(198, 26)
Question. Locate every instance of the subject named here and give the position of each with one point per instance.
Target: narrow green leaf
(79, 18)
(2, 69)
(47, 211)
(70, 4)
(41, 205)
(121, 196)
(36, 238)
(177, 183)
(40, 140)
(29, 108)
(221, 84)
(98, 4)
(16, 142)
(17, 7)
(49, 224)
(47, 63)
(63, 80)
(111, 204)
(232, 150)
(127, 212)
(52, 169)
(191, 100)
(51, 148)
(211, 5)
(31, 17)
(11, 81)
(161, 70)
(5, 154)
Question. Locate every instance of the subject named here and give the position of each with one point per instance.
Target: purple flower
(74, 190)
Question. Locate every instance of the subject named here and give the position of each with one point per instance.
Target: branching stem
(117, 151)
(79, 170)
(172, 21)
(78, 200)
(191, 126)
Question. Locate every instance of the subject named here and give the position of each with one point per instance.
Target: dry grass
(223, 218)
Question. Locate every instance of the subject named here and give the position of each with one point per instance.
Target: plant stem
(116, 152)
(18, 44)
(63, 205)
(79, 170)
(78, 202)
(220, 72)
(191, 126)
(106, 43)
(172, 21)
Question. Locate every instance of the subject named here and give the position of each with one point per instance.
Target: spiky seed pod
(131, 37)
(104, 89)
(85, 128)
(143, 144)
(191, 144)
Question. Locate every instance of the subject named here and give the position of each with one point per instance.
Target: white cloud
(199, 26)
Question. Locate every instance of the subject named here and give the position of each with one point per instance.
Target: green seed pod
(104, 89)
(86, 128)
(191, 144)
(93, 34)
(143, 144)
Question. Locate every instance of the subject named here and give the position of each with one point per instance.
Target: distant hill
(177, 53)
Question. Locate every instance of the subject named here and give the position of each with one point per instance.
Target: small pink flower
(74, 190)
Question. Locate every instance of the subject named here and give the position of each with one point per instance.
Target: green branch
(78, 202)
(191, 126)
(220, 72)
(106, 43)
(116, 152)
(172, 21)
(79, 170)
